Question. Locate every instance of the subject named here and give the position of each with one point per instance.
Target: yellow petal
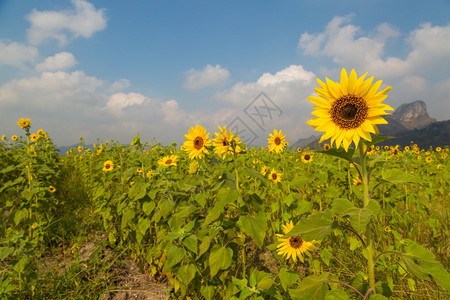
(352, 82)
(344, 82)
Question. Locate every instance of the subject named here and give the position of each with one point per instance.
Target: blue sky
(111, 69)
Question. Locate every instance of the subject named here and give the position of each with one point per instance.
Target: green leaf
(127, 217)
(300, 182)
(377, 297)
(289, 199)
(313, 228)
(186, 273)
(398, 176)
(204, 246)
(219, 259)
(303, 207)
(337, 295)
(143, 225)
(341, 207)
(166, 206)
(148, 207)
(360, 217)
(341, 153)
(313, 287)
(254, 226)
(377, 139)
(255, 174)
(174, 256)
(207, 292)
(190, 242)
(20, 215)
(138, 190)
(5, 252)
(224, 197)
(287, 277)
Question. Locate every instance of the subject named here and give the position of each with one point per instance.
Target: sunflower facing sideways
(348, 110)
(293, 247)
(276, 141)
(196, 142)
(223, 142)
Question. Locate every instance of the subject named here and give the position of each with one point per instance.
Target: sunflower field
(213, 219)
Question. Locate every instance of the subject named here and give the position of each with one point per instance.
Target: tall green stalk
(369, 243)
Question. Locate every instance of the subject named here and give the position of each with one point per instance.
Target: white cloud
(346, 45)
(17, 55)
(119, 101)
(209, 76)
(59, 61)
(81, 20)
(119, 85)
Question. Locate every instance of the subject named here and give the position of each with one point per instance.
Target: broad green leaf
(190, 242)
(337, 295)
(255, 174)
(341, 153)
(148, 207)
(174, 256)
(383, 288)
(300, 182)
(5, 252)
(20, 215)
(313, 287)
(287, 277)
(224, 197)
(341, 207)
(143, 225)
(207, 292)
(138, 190)
(377, 297)
(204, 246)
(398, 176)
(186, 273)
(127, 217)
(289, 199)
(303, 207)
(312, 228)
(377, 139)
(254, 226)
(165, 206)
(360, 217)
(219, 259)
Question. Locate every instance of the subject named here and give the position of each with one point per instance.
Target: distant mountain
(409, 122)
(303, 142)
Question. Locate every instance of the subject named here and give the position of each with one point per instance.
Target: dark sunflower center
(277, 141)
(274, 176)
(307, 157)
(225, 143)
(107, 166)
(349, 112)
(168, 162)
(296, 242)
(198, 143)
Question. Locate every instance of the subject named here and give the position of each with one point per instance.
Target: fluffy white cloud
(59, 61)
(209, 76)
(119, 85)
(16, 54)
(346, 45)
(119, 101)
(81, 20)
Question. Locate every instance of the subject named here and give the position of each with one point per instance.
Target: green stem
(370, 247)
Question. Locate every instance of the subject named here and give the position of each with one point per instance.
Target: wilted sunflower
(108, 166)
(293, 247)
(24, 123)
(170, 160)
(223, 142)
(196, 142)
(276, 141)
(275, 176)
(307, 157)
(348, 110)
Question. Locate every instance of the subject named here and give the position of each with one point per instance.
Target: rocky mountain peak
(413, 115)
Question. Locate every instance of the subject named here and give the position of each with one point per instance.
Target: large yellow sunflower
(293, 247)
(108, 166)
(223, 140)
(196, 142)
(276, 141)
(349, 110)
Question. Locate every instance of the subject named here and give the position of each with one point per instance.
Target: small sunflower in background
(170, 160)
(14, 138)
(348, 110)
(438, 149)
(306, 157)
(108, 166)
(277, 141)
(299, 150)
(24, 123)
(196, 142)
(326, 147)
(52, 189)
(275, 176)
(150, 174)
(293, 247)
(428, 159)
